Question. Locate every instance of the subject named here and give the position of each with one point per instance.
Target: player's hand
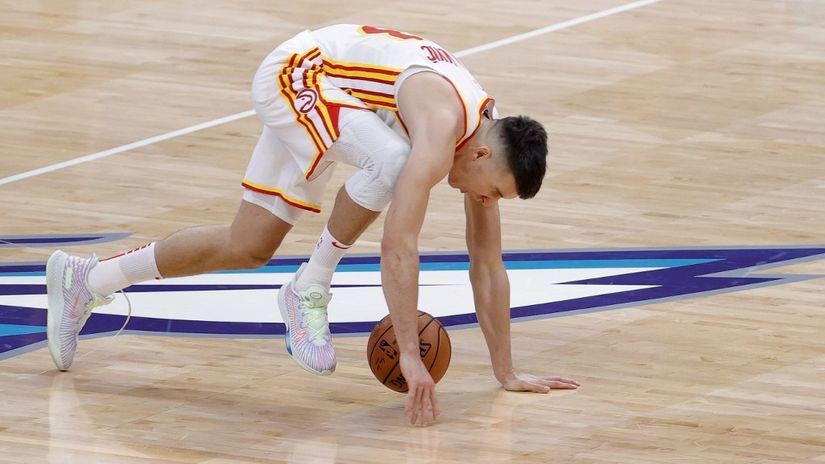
(422, 405)
(532, 383)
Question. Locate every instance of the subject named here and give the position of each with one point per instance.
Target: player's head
(507, 158)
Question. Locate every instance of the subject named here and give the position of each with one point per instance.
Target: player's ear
(482, 152)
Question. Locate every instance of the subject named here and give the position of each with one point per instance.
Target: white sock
(118, 272)
(328, 252)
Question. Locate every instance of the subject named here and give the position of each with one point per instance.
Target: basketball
(383, 353)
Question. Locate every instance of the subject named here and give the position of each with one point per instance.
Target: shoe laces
(313, 306)
(96, 301)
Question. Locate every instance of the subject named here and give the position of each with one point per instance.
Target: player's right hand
(422, 404)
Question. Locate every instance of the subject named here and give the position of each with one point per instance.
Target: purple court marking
(9, 241)
(721, 270)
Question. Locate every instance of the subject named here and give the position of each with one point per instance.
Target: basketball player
(407, 114)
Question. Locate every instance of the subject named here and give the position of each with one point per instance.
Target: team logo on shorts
(543, 284)
(305, 100)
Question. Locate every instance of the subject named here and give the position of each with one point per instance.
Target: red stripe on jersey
(370, 92)
(331, 124)
(333, 115)
(286, 90)
(378, 104)
(331, 73)
(281, 196)
(481, 109)
(361, 68)
(309, 56)
(401, 120)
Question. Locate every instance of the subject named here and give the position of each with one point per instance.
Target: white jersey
(300, 90)
(371, 63)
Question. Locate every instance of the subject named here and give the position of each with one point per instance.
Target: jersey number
(389, 32)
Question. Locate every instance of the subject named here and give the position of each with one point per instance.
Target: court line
(556, 27)
(245, 114)
(127, 147)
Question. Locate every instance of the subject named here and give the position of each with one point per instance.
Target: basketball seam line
(421, 313)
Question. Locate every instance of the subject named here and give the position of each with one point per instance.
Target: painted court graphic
(543, 284)
(9, 241)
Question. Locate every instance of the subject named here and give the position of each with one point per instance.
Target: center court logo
(543, 284)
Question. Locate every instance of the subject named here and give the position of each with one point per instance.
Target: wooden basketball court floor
(673, 124)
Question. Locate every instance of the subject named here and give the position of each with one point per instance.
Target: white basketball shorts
(304, 115)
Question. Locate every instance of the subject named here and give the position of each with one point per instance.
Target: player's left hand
(532, 383)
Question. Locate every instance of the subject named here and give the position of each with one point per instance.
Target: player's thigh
(368, 142)
(275, 178)
(380, 153)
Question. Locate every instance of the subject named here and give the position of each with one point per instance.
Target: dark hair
(526, 145)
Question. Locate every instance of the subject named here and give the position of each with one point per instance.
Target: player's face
(482, 178)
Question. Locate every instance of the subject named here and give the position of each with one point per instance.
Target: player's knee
(249, 256)
(391, 165)
(372, 187)
(257, 260)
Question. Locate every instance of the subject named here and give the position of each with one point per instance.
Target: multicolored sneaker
(308, 339)
(70, 304)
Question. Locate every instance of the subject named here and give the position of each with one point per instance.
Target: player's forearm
(491, 292)
(399, 279)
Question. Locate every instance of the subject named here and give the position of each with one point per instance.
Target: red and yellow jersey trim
(327, 113)
(360, 72)
(289, 94)
(277, 192)
(481, 109)
(391, 33)
(309, 56)
(463, 139)
(397, 115)
(353, 73)
(384, 72)
(373, 99)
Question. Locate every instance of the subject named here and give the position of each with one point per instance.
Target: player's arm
(431, 112)
(491, 292)
(491, 286)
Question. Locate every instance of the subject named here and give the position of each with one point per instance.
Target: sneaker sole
(54, 317)
(285, 317)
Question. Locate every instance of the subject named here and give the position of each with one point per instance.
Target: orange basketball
(383, 354)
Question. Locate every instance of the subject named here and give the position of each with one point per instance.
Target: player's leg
(367, 143)
(76, 285)
(249, 242)
(346, 223)
(321, 124)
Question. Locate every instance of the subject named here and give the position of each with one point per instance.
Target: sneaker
(308, 339)
(70, 304)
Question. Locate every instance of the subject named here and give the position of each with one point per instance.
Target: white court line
(127, 147)
(556, 27)
(235, 117)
